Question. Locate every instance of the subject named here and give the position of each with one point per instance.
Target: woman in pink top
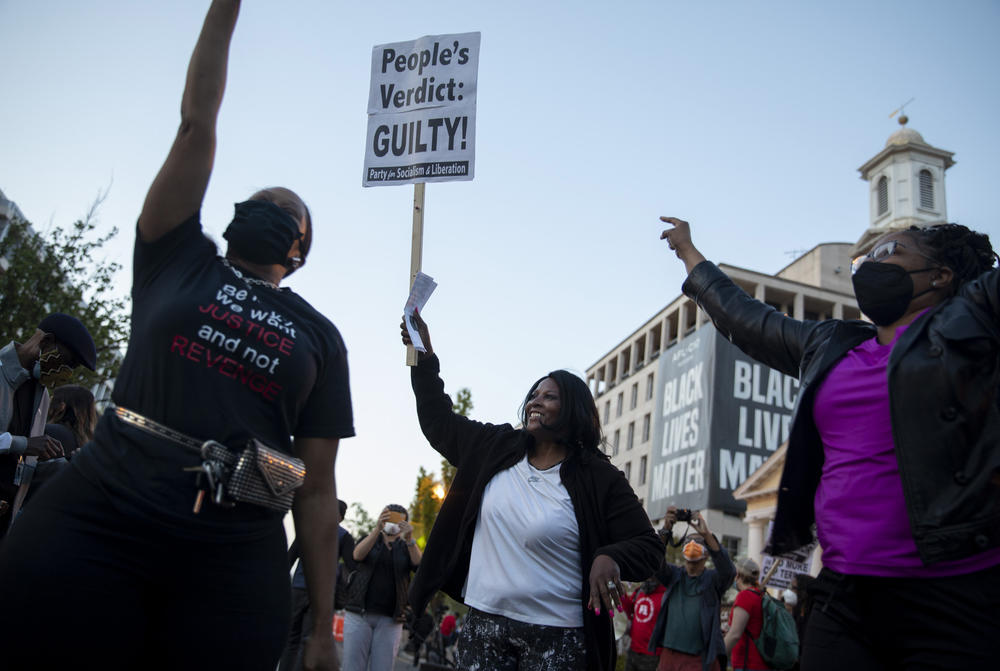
(893, 448)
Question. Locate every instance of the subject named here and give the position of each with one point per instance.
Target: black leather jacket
(944, 374)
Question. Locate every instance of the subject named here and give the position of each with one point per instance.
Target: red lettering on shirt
(178, 345)
(226, 366)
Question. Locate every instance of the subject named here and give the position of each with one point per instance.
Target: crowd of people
(156, 531)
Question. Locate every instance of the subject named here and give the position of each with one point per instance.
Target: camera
(684, 514)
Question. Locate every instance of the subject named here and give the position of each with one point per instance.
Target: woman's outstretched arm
(179, 187)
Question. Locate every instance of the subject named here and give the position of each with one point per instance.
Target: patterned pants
(497, 643)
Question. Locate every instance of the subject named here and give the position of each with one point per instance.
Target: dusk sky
(748, 119)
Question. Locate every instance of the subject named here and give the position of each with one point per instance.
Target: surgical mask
(390, 529)
(885, 290)
(261, 232)
(51, 370)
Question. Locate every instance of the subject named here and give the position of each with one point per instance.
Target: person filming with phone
(377, 592)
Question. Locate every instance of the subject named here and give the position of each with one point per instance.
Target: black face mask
(885, 290)
(261, 232)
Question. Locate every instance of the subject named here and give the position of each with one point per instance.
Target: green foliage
(425, 506)
(62, 270)
(358, 521)
(463, 402)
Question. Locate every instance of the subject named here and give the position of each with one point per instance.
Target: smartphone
(396, 516)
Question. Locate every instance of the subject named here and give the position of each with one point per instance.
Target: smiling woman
(537, 531)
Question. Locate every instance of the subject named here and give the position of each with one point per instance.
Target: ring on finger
(611, 584)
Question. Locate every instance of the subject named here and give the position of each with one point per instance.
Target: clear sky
(749, 119)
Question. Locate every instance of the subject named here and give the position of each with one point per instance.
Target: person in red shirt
(746, 619)
(448, 633)
(642, 608)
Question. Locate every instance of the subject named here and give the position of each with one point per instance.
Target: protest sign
(719, 416)
(792, 563)
(422, 111)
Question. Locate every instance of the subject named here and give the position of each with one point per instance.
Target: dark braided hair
(967, 253)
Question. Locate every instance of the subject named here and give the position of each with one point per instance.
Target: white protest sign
(422, 111)
(799, 561)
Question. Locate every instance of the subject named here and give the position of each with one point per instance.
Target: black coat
(610, 518)
(944, 374)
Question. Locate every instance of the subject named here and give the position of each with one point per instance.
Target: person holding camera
(376, 603)
(688, 626)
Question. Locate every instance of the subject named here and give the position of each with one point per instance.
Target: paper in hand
(423, 287)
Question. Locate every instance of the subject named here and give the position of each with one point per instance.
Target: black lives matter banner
(422, 111)
(719, 416)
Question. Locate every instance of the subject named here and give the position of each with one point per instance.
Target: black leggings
(880, 624)
(82, 585)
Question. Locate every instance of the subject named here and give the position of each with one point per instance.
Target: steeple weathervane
(902, 115)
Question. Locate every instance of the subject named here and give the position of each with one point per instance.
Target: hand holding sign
(416, 323)
(423, 287)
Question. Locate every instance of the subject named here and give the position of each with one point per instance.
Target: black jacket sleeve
(633, 544)
(755, 327)
(447, 432)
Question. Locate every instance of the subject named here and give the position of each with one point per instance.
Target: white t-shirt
(525, 561)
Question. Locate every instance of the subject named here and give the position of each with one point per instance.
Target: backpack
(778, 642)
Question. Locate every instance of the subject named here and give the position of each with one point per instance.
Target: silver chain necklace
(249, 280)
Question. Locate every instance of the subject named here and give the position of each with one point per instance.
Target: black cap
(71, 332)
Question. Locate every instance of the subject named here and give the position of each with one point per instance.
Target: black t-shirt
(381, 595)
(214, 357)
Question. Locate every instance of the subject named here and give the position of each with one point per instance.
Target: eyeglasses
(881, 252)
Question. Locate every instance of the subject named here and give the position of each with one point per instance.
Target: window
(642, 471)
(655, 337)
(614, 443)
(628, 471)
(883, 195)
(926, 189)
(645, 428)
(649, 387)
(630, 440)
(618, 408)
(635, 396)
(607, 412)
(732, 545)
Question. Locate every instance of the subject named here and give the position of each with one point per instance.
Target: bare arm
(179, 187)
(740, 619)
(316, 517)
(362, 549)
(411, 544)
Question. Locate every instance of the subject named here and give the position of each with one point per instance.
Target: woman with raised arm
(892, 451)
(538, 529)
(166, 559)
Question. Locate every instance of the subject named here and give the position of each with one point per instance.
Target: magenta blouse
(861, 517)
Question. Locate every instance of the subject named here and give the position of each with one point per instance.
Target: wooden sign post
(416, 251)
